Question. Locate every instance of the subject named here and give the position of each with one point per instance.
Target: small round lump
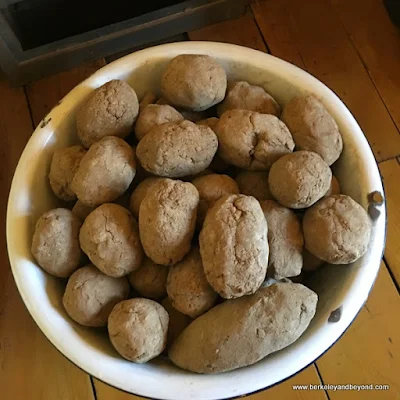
(300, 179)
(252, 141)
(82, 210)
(110, 238)
(150, 280)
(313, 128)
(234, 246)
(243, 96)
(195, 82)
(175, 150)
(254, 183)
(90, 296)
(105, 172)
(210, 122)
(55, 243)
(187, 286)
(211, 188)
(140, 193)
(154, 115)
(285, 238)
(167, 220)
(63, 167)
(110, 110)
(337, 230)
(138, 329)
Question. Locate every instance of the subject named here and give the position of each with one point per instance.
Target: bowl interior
(345, 286)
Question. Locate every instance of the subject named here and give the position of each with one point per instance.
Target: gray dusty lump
(313, 128)
(285, 238)
(63, 167)
(138, 329)
(154, 115)
(337, 230)
(211, 188)
(167, 219)
(234, 246)
(243, 96)
(300, 179)
(55, 243)
(90, 296)
(187, 286)
(195, 82)
(150, 280)
(251, 140)
(243, 331)
(175, 150)
(110, 110)
(254, 183)
(105, 172)
(110, 238)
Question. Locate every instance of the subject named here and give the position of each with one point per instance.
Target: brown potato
(243, 331)
(167, 219)
(82, 210)
(187, 286)
(337, 230)
(55, 243)
(252, 141)
(63, 167)
(243, 96)
(138, 329)
(140, 193)
(211, 188)
(195, 82)
(300, 179)
(285, 238)
(234, 246)
(110, 110)
(177, 150)
(313, 128)
(154, 115)
(254, 183)
(150, 280)
(110, 238)
(105, 172)
(210, 122)
(90, 296)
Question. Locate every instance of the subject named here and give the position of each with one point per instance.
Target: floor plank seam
(397, 158)
(395, 283)
(322, 381)
(93, 387)
(259, 30)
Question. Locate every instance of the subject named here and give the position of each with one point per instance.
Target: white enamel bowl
(338, 286)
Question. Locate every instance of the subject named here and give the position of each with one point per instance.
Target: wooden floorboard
(377, 41)
(319, 38)
(30, 367)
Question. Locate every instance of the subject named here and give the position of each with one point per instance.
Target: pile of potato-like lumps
(184, 237)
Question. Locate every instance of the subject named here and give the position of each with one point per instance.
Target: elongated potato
(243, 331)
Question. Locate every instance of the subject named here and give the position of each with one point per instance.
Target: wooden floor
(350, 45)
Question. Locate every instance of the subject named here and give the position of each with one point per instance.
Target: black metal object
(39, 37)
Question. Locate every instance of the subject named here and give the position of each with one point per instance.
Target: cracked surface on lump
(105, 172)
(300, 179)
(234, 246)
(243, 96)
(313, 128)
(55, 242)
(195, 82)
(154, 115)
(242, 331)
(167, 219)
(252, 141)
(90, 296)
(188, 288)
(110, 110)
(337, 230)
(285, 238)
(64, 164)
(150, 279)
(110, 238)
(138, 329)
(176, 150)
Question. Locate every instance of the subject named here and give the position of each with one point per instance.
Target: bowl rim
(201, 48)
